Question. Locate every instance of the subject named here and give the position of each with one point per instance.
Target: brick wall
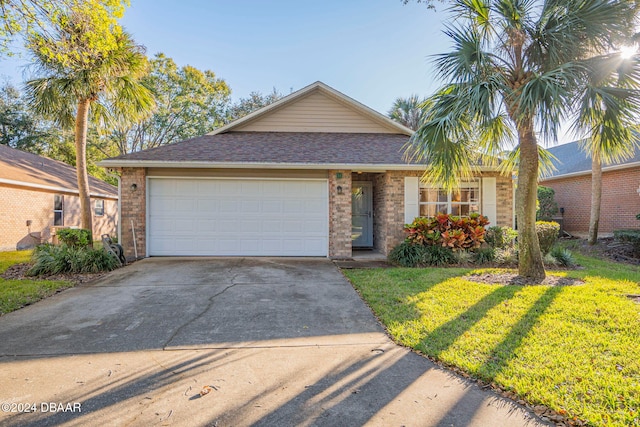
(134, 205)
(620, 200)
(340, 214)
(20, 204)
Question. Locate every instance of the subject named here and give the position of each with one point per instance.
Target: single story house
(38, 195)
(572, 183)
(313, 174)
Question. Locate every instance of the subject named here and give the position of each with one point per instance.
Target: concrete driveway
(280, 342)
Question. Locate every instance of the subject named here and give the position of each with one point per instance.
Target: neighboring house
(572, 184)
(38, 195)
(313, 174)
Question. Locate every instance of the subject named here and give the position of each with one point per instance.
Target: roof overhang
(588, 172)
(53, 188)
(364, 167)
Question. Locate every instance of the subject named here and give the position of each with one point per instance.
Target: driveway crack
(208, 306)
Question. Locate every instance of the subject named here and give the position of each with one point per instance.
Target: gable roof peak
(328, 91)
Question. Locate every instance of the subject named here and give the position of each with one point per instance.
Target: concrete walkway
(280, 342)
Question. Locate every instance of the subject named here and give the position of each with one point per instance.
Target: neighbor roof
(572, 160)
(26, 169)
(275, 148)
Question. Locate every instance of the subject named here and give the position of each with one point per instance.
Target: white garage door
(251, 217)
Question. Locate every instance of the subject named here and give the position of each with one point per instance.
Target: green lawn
(574, 349)
(15, 294)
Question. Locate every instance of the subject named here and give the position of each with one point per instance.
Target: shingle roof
(22, 167)
(281, 147)
(571, 159)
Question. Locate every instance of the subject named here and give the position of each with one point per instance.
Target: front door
(361, 214)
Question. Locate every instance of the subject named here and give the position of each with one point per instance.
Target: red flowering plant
(447, 230)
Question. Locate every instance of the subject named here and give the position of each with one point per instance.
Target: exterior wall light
(134, 187)
(339, 189)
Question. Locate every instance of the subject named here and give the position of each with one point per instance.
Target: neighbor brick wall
(340, 214)
(620, 200)
(133, 205)
(19, 204)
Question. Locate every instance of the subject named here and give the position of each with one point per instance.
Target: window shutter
(489, 200)
(411, 197)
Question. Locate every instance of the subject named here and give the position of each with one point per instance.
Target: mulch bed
(609, 248)
(514, 279)
(18, 272)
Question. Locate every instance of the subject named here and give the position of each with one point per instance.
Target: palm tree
(79, 81)
(518, 68)
(609, 114)
(408, 112)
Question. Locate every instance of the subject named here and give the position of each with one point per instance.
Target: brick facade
(134, 208)
(20, 204)
(340, 214)
(620, 200)
(388, 208)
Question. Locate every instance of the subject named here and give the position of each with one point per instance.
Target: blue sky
(371, 50)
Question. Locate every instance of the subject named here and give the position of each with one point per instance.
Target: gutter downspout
(119, 225)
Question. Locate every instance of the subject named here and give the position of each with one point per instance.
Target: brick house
(38, 194)
(572, 184)
(313, 174)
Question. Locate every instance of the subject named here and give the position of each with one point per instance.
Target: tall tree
(253, 102)
(409, 112)
(610, 107)
(28, 17)
(189, 102)
(83, 77)
(516, 70)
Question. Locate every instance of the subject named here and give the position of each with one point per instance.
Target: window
(58, 210)
(462, 201)
(99, 207)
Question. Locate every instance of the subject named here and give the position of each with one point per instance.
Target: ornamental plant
(446, 230)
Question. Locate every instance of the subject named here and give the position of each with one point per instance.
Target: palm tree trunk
(529, 255)
(82, 119)
(596, 196)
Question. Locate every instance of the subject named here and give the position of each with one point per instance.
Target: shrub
(50, 259)
(438, 256)
(629, 236)
(562, 256)
(500, 237)
(407, 254)
(506, 256)
(547, 206)
(75, 237)
(485, 255)
(448, 230)
(547, 232)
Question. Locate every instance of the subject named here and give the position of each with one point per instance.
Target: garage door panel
(238, 217)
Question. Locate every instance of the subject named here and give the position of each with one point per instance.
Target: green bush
(451, 231)
(547, 206)
(629, 236)
(438, 256)
(75, 237)
(506, 256)
(562, 256)
(547, 232)
(485, 255)
(500, 237)
(407, 254)
(50, 259)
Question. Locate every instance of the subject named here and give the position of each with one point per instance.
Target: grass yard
(574, 349)
(15, 294)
